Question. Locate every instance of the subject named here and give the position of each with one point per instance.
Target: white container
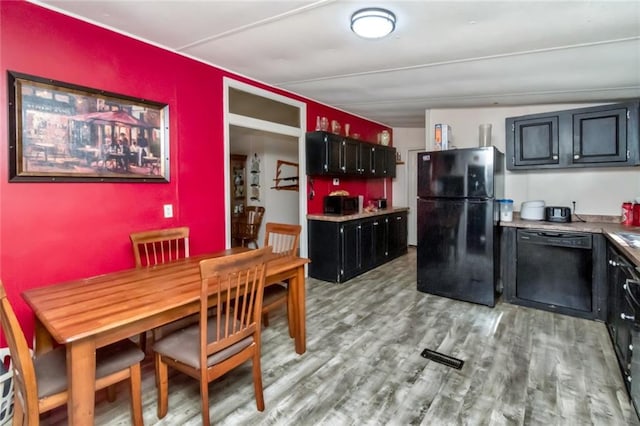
(532, 210)
(506, 210)
(484, 135)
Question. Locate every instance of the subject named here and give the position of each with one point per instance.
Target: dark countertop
(597, 225)
(363, 215)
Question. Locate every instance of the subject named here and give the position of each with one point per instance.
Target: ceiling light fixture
(373, 22)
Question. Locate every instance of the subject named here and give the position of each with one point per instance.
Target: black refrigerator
(458, 250)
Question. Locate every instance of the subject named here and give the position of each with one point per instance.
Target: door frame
(412, 195)
(231, 119)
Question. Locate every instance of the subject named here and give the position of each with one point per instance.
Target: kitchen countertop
(606, 225)
(363, 215)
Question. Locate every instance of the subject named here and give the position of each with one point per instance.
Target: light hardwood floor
(363, 366)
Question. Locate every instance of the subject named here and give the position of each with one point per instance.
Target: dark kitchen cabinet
(373, 242)
(334, 155)
(620, 309)
(535, 140)
(350, 247)
(366, 159)
(605, 135)
(384, 160)
(340, 251)
(397, 234)
(351, 159)
(600, 134)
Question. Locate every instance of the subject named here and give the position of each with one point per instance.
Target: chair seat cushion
(51, 367)
(184, 345)
(274, 293)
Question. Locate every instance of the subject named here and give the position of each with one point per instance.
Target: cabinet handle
(627, 317)
(555, 157)
(576, 157)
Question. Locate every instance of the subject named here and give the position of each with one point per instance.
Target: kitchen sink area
(632, 239)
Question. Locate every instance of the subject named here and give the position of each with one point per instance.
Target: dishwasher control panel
(557, 239)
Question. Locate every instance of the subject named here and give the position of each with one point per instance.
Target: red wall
(52, 232)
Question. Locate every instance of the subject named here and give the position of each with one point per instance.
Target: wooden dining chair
(284, 240)
(40, 384)
(248, 226)
(218, 344)
(156, 247)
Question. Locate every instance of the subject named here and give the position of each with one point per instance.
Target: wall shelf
(291, 182)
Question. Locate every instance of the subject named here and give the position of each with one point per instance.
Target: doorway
(266, 127)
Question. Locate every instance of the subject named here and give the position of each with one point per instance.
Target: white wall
(404, 140)
(280, 206)
(597, 191)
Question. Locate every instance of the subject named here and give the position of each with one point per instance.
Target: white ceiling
(442, 54)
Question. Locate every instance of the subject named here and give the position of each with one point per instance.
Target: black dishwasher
(554, 271)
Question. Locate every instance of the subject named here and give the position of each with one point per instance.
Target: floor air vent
(443, 359)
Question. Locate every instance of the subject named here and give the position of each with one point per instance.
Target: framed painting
(60, 132)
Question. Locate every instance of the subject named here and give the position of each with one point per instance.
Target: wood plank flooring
(363, 366)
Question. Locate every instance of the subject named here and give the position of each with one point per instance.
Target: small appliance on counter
(557, 214)
(340, 204)
(532, 210)
(381, 203)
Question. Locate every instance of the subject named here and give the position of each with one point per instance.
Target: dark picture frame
(62, 132)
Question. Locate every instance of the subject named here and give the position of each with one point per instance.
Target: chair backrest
(235, 284)
(160, 246)
(283, 238)
(24, 374)
(249, 225)
(254, 215)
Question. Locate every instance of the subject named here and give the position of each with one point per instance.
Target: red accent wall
(53, 232)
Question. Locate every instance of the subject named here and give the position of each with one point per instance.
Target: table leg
(300, 311)
(43, 340)
(81, 376)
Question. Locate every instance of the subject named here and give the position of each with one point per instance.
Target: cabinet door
(334, 154)
(379, 161)
(367, 244)
(535, 141)
(350, 236)
(390, 162)
(366, 159)
(350, 155)
(620, 310)
(600, 136)
(380, 239)
(397, 234)
(325, 242)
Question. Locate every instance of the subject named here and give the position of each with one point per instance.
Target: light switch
(168, 211)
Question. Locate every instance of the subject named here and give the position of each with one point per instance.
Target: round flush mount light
(373, 22)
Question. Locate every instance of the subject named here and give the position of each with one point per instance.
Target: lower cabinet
(620, 309)
(340, 251)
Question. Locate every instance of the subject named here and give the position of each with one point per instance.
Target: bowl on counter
(532, 210)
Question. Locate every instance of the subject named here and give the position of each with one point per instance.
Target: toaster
(557, 214)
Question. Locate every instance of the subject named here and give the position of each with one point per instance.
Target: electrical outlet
(168, 211)
(336, 181)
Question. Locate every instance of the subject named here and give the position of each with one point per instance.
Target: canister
(506, 210)
(627, 214)
(636, 213)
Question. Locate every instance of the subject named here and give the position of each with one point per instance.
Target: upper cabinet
(605, 135)
(329, 154)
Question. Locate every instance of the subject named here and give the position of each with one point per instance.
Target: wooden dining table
(90, 313)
